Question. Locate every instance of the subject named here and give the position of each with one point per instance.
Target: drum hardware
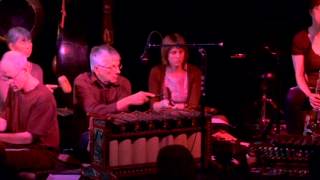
(238, 56)
(312, 123)
(285, 156)
(265, 122)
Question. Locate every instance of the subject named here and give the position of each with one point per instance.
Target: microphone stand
(220, 44)
(145, 56)
(150, 35)
(206, 124)
(204, 65)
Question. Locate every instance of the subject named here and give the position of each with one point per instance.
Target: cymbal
(238, 56)
(268, 75)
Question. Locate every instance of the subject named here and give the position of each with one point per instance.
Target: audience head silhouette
(176, 162)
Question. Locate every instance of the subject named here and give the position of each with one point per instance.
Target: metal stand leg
(266, 122)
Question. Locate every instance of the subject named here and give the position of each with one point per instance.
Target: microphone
(64, 84)
(145, 55)
(202, 52)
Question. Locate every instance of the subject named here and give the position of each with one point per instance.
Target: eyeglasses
(25, 40)
(8, 78)
(114, 67)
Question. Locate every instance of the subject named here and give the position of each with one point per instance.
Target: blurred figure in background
(19, 39)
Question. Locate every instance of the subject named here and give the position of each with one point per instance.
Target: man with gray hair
(104, 90)
(28, 122)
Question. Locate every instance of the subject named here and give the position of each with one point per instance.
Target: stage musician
(306, 62)
(104, 90)
(28, 122)
(179, 84)
(19, 39)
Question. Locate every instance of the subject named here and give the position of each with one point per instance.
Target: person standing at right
(306, 62)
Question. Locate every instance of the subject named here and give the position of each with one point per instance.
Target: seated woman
(178, 82)
(178, 86)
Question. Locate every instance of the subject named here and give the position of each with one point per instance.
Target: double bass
(24, 13)
(83, 24)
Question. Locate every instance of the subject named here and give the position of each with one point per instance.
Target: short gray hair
(98, 54)
(16, 33)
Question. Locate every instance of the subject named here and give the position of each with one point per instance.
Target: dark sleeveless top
(301, 45)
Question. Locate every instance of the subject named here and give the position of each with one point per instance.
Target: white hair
(99, 55)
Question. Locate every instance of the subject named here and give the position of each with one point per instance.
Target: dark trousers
(14, 160)
(81, 152)
(295, 107)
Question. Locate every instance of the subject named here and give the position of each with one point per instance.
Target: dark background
(260, 29)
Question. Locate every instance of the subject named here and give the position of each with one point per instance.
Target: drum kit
(266, 69)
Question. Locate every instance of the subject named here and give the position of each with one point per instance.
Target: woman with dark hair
(306, 62)
(178, 84)
(178, 81)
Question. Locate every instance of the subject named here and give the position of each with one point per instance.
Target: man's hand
(16, 138)
(163, 104)
(51, 87)
(140, 98)
(179, 106)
